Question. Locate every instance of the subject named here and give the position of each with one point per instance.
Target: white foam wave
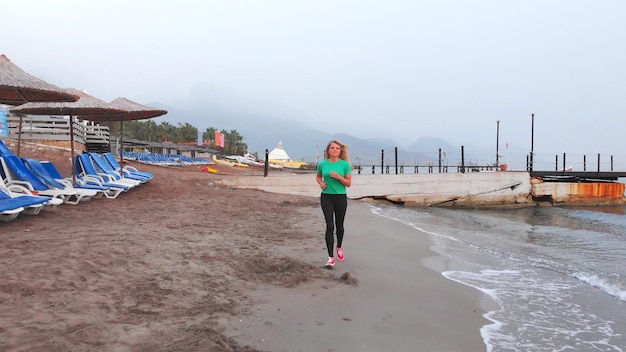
(536, 315)
(539, 303)
(378, 211)
(486, 332)
(612, 289)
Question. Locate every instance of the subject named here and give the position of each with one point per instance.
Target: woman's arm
(346, 181)
(320, 181)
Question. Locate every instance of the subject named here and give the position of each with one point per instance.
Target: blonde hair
(342, 155)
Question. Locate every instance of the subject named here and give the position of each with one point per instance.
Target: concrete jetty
(473, 189)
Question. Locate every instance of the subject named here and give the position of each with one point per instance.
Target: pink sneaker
(339, 253)
(331, 261)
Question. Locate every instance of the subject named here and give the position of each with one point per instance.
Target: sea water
(557, 275)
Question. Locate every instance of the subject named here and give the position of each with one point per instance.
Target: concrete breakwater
(475, 189)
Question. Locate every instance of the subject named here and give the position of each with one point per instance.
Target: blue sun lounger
(96, 185)
(101, 163)
(14, 172)
(80, 194)
(4, 150)
(9, 209)
(29, 204)
(86, 171)
(130, 169)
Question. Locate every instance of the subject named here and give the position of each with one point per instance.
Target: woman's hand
(320, 181)
(345, 180)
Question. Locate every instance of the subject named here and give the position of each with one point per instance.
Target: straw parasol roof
(18, 87)
(86, 107)
(133, 111)
(136, 111)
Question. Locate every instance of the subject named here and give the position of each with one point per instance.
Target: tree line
(183, 133)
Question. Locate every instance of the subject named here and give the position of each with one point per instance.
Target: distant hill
(431, 143)
(265, 124)
(302, 143)
(260, 132)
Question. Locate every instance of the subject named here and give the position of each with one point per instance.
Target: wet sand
(180, 264)
(382, 299)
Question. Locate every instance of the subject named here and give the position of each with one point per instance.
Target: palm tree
(187, 132)
(209, 134)
(167, 131)
(151, 128)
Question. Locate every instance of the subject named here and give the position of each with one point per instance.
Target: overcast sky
(388, 69)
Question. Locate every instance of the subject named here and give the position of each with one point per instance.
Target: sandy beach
(180, 264)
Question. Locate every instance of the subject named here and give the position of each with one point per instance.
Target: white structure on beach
(279, 153)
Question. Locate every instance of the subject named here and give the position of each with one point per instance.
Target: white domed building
(279, 154)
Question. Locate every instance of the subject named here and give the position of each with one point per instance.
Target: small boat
(209, 169)
(221, 161)
(289, 164)
(228, 161)
(235, 160)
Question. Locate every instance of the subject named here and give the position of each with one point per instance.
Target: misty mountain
(427, 144)
(263, 131)
(260, 132)
(266, 124)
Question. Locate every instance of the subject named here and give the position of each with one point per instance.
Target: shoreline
(388, 298)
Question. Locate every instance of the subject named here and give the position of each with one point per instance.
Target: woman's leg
(341, 205)
(328, 210)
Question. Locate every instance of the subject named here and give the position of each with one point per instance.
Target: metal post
(564, 167)
(382, 161)
(556, 162)
(598, 162)
(395, 150)
(72, 150)
(497, 143)
(19, 135)
(584, 162)
(462, 159)
(267, 163)
(439, 160)
(122, 146)
(532, 140)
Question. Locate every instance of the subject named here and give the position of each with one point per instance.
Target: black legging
(334, 204)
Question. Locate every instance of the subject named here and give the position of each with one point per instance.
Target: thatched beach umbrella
(132, 111)
(86, 107)
(18, 87)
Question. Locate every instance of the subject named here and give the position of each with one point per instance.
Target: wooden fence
(51, 128)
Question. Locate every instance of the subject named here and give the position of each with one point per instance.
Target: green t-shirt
(334, 186)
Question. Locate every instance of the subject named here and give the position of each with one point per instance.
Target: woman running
(334, 176)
